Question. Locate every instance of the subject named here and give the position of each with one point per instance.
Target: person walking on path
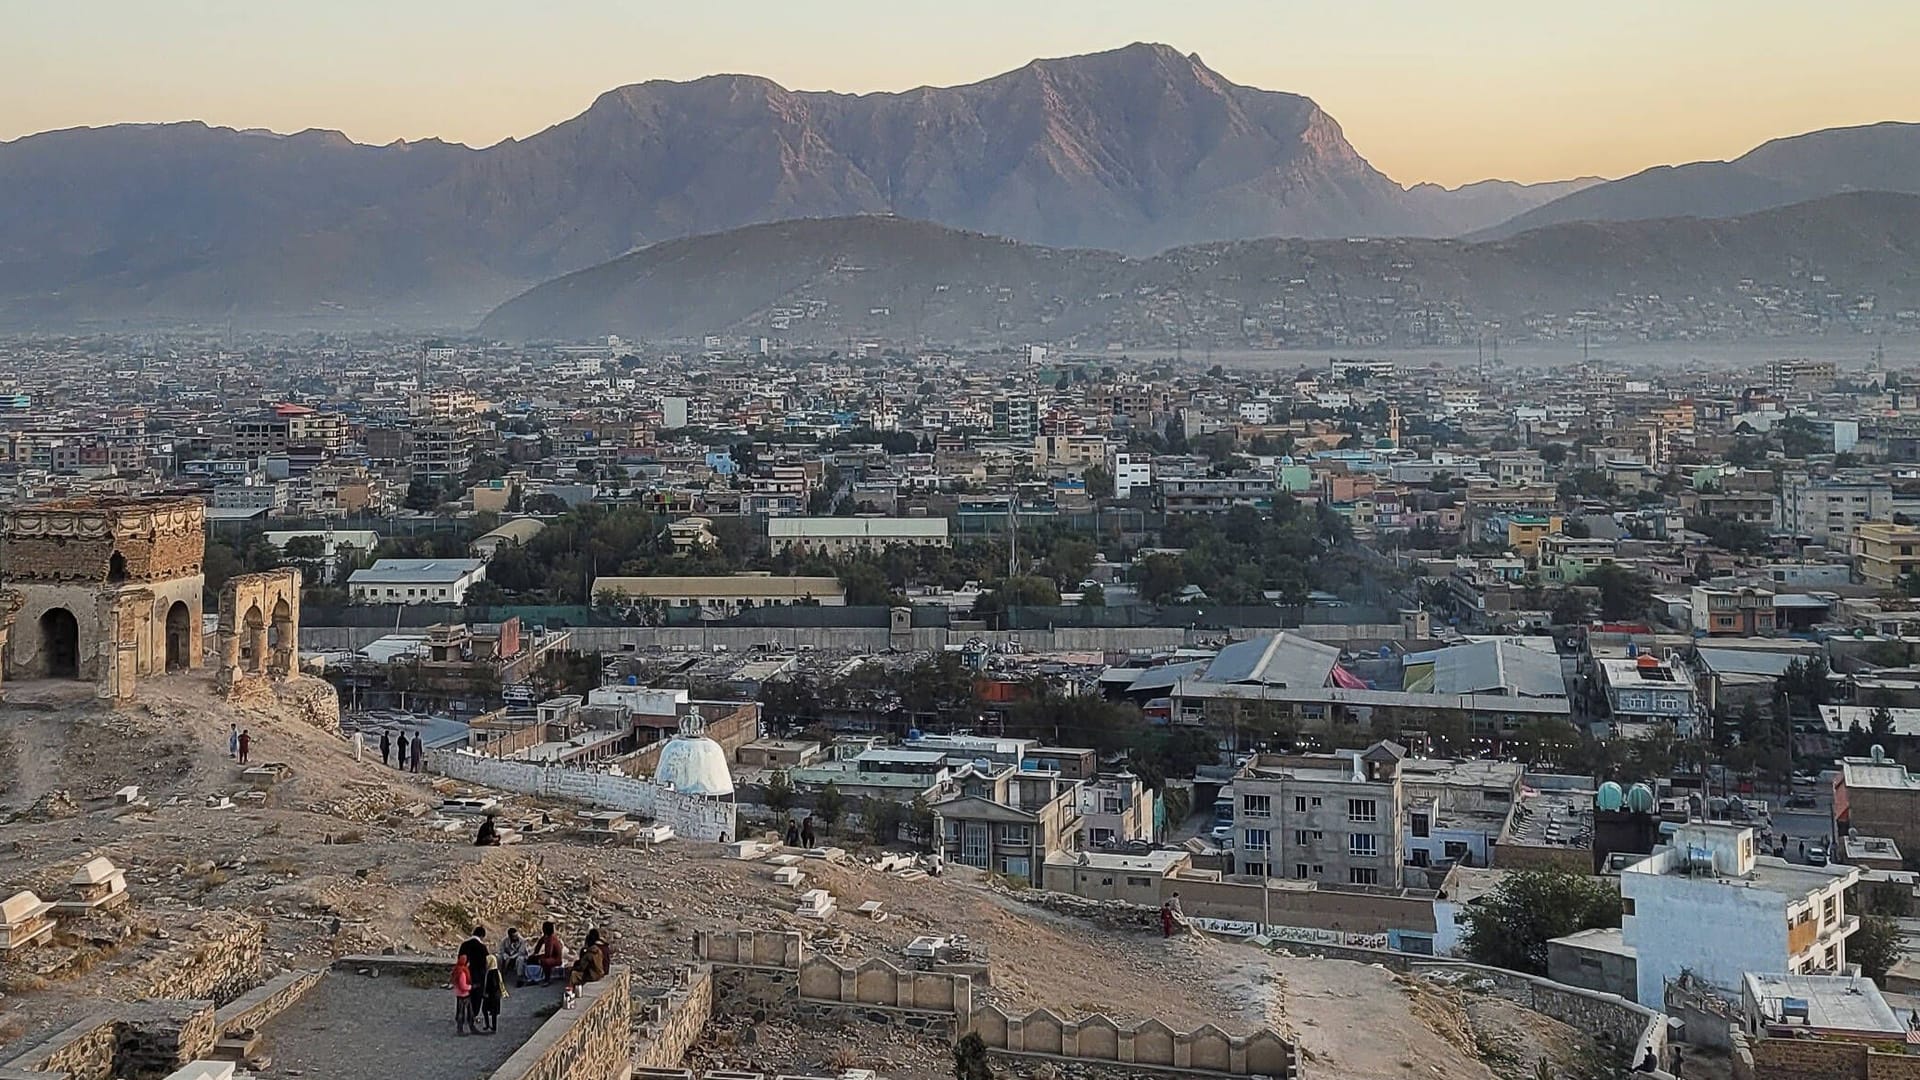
(793, 834)
(246, 744)
(806, 832)
(233, 741)
(462, 995)
(386, 748)
(493, 990)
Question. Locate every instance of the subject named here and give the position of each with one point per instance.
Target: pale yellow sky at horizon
(1444, 92)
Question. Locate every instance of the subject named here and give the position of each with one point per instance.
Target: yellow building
(1525, 531)
(1884, 552)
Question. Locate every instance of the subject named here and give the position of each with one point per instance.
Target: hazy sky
(1445, 90)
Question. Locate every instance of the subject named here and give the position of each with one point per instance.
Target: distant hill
(1877, 157)
(1138, 149)
(824, 281)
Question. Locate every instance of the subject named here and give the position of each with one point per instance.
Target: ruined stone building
(102, 589)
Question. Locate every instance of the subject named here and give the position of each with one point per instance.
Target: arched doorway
(253, 641)
(179, 637)
(117, 568)
(60, 643)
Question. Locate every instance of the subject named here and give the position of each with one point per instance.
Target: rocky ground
(344, 856)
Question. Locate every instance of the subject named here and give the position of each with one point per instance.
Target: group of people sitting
(480, 976)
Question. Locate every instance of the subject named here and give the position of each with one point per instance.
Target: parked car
(1801, 800)
(1816, 856)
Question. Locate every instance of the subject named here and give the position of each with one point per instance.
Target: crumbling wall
(144, 1040)
(218, 956)
(1818, 1059)
(251, 1010)
(259, 629)
(765, 973)
(586, 1042)
(690, 816)
(672, 1020)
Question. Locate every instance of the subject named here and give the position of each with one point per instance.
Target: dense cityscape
(1071, 575)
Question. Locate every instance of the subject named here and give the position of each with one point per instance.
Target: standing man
(806, 831)
(233, 741)
(246, 743)
(419, 748)
(386, 747)
(474, 952)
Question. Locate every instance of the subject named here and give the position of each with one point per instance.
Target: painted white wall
(1717, 930)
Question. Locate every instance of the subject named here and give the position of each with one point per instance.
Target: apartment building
(1741, 612)
(1010, 820)
(1884, 553)
(289, 427)
(1827, 511)
(1216, 494)
(837, 536)
(1517, 468)
(1876, 796)
(722, 594)
(1708, 905)
(1333, 818)
(1114, 809)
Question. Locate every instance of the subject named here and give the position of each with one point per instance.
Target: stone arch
(60, 643)
(179, 636)
(116, 568)
(280, 637)
(253, 640)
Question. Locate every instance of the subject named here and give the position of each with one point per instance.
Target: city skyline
(1474, 91)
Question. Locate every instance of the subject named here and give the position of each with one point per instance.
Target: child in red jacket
(463, 998)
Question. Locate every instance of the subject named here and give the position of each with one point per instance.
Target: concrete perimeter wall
(738, 639)
(689, 816)
(771, 971)
(1818, 1059)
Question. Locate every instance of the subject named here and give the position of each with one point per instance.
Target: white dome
(695, 765)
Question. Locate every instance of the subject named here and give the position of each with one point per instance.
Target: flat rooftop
(1835, 1002)
(1553, 819)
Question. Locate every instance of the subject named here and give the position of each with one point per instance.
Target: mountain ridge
(1141, 148)
(823, 281)
(1790, 169)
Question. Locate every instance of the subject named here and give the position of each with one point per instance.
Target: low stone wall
(493, 886)
(671, 1020)
(1818, 1059)
(219, 956)
(690, 816)
(139, 1041)
(251, 1010)
(764, 973)
(586, 1042)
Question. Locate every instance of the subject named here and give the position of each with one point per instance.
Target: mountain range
(828, 281)
(1137, 150)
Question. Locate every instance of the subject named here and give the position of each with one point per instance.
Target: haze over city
(1053, 541)
(1446, 93)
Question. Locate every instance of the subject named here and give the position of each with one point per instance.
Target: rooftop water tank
(1640, 799)
(1609, 797)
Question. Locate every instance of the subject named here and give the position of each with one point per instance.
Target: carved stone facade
(108, 590)
(259, 630)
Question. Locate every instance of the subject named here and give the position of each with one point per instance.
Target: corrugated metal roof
(1488, 667)
(1275, 660)
(1746, 662)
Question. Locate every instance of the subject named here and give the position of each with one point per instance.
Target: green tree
(970, 1058)
(1510, 926)
(884, 821)
(1099, 481)
(1159, 578)
(921, 819)
(1569, 608)
(829, 805)
(1093, 596)
(1875, 946)
(779, 793)
(1623, 594)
